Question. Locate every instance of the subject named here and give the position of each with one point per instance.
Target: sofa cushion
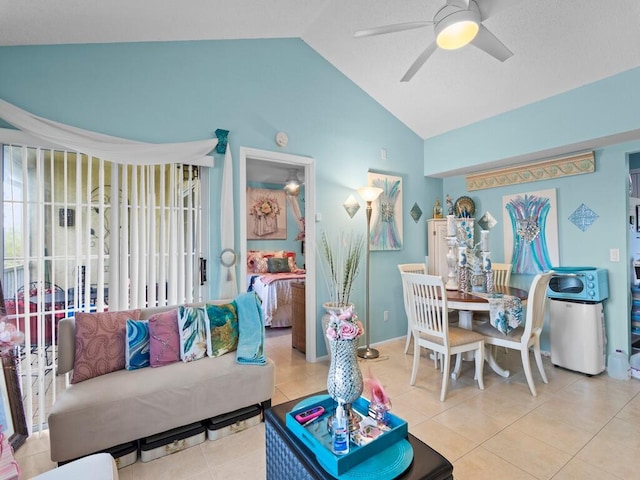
(128, 405)
(193, 333)
(136, 353)
(222, 334)
(100, 343)
(164, 338)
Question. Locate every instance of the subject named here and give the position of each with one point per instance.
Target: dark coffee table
(290, 459)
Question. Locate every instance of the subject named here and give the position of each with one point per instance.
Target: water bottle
(340, 432)
(618, 366)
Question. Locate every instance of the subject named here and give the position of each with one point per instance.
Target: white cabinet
(437, 243)
(437, 247)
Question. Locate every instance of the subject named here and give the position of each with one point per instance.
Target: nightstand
(298, 317)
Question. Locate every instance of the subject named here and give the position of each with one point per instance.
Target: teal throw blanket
(250, 330)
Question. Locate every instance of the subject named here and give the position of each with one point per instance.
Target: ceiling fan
(456, 24)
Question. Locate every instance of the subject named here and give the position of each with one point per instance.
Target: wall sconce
(351, 205)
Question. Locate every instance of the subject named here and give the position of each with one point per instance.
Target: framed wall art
(386, 213)
(266, 214)
(531, 231)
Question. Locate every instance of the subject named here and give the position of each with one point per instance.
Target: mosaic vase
(344, 382)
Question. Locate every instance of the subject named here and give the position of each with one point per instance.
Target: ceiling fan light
(292, 184)
(457, 34)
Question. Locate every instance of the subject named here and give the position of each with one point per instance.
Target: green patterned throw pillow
(192, 322)
(222, 334)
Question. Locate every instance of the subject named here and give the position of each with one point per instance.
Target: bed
(270, 274)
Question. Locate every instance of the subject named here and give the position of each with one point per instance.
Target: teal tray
(316, 437)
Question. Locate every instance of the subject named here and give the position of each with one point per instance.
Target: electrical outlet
(383, 154)
(614, 255)
(386, 315)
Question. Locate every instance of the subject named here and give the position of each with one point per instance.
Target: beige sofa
(128, 405)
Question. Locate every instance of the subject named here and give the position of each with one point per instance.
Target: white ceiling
(558, 45)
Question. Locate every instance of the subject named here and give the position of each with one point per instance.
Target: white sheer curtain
(228, 285)
(293, 202)
(114, 149)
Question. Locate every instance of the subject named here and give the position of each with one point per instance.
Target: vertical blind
(85, 234)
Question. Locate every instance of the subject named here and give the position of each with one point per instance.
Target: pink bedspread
(269, 278)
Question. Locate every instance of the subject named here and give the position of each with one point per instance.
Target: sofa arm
(66, 345)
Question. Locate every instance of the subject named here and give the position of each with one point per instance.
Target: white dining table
(466, 304)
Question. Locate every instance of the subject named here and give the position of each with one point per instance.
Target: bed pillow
(164, 338)
(100, 343)
(262, 264)
(192, 322)
(257, 260)
(291, 257)
(137, 346)
(253, 257)
(278, 265)
(222, 334)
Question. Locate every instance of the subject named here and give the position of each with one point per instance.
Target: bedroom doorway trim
(310, 229)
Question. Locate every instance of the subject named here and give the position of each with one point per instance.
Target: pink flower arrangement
(10, 336)
(344, 325)
(265, 206)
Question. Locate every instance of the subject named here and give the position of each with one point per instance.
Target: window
(86, 234)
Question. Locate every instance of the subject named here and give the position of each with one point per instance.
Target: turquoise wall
(180, 91)
(604, 108)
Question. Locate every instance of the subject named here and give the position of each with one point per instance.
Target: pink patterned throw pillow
(164, 338)
(100, 343)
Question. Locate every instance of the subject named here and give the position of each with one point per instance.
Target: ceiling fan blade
(398, 27)
(488, 42)
(464, 4)
(420, 61)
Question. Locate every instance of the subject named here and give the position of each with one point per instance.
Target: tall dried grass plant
(341, 264)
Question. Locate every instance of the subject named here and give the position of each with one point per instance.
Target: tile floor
(576, 428)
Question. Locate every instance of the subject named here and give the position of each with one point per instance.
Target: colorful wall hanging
(531, 231)
(386, 213)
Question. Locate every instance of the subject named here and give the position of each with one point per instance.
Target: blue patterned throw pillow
(137, 346)
(222, 334)
(192, 322)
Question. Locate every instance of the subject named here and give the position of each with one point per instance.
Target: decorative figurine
(449, 205)
(437, 209)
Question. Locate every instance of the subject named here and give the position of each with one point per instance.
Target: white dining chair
(522, 338)
(501, 274)
(428, 317)
(410, 268)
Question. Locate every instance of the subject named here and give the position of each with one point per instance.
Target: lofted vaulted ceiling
(557, 45)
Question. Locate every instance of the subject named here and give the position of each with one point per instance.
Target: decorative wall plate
(464, 207)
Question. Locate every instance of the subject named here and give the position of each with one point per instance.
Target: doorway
(265, 157)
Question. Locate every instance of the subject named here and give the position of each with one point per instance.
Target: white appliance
(577, 336)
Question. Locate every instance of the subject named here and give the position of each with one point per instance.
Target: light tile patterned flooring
(576, 428)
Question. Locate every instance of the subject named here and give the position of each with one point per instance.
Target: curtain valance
(106, 147)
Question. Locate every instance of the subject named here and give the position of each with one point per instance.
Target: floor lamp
(368, 194)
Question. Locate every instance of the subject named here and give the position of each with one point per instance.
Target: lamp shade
(369, 194)
(457, 29)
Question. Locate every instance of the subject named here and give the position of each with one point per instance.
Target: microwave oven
(583, 284)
